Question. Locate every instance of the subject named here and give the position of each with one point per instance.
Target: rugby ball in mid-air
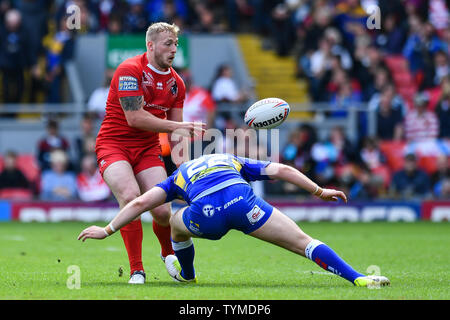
(267, 113)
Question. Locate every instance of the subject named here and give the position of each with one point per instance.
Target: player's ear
(150, 46)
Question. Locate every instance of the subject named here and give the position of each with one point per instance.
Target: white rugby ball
(267, 113)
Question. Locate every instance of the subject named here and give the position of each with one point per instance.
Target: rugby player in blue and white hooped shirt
(216, 188)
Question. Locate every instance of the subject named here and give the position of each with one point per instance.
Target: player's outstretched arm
(149, 200)
(138, 118)
(283, 172)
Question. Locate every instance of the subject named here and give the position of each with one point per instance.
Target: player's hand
(332, 195)
(92, 232)
(190, 129)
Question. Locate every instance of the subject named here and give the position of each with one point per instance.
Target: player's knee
(162, 215)
(176, 233)
(127, 196)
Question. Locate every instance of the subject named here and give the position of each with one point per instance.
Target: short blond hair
(159, 27)
(58, 156)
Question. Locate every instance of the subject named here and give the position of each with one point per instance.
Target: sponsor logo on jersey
(159, 85)
(147, 79)
(128, 83)
(174, 89)
(208, 210)
(255, 214)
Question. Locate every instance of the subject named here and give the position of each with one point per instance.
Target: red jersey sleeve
(179, 101)
(128, 80)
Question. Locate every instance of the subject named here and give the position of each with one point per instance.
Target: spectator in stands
(345, 97)
(104, 9)
(224, 87)
(421, 124)
(199, 106)
(97, 100)
(391, 38)
(321, 20)
(442, 189)
(90, 184)
(446, 41)
(390, 92)
(375, 161)
(59, 50)
(367, 64)
(365, 186)
(441, 178)
(12, 178)
(14, 56)
(443, 110)
(410, 182)
(282, 29)
(389, 116)
(351, 20)
(115, 24)
(167, 11)
(205, 20)
(371, 154)
(439, 15)
(317, 68)
(382, 77)
(35, 18)
(297, 151)
(333, 156)
(135, 20)
(52, 141)
(4, 7)
(419, 49)
(337, 49)
(85, 142)
(236, 11)
(441, 67)
(58, 184)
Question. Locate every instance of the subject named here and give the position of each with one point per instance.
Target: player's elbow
(139, 204)
(279, 171)
(132, 120)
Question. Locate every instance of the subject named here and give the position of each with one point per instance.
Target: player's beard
(163, 63)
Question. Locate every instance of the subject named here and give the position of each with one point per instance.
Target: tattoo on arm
(131, 103)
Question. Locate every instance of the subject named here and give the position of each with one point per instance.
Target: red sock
(163, 235)
(132, 237)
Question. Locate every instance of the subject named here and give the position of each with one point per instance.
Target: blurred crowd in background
(401, 72)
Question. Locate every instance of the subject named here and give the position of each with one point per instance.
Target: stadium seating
(403, 79)
(395, 153)
(16, 194)
(28, 164)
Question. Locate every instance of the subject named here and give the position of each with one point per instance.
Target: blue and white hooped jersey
(210, 173)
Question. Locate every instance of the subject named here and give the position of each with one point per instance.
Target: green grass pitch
(35, 259)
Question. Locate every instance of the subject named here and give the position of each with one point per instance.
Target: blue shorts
(234, 207)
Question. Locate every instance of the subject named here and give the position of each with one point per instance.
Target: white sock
(310, 248)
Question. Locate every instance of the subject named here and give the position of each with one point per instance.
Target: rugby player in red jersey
(146, 97)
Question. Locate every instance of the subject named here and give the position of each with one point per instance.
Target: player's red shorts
(138, 157)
